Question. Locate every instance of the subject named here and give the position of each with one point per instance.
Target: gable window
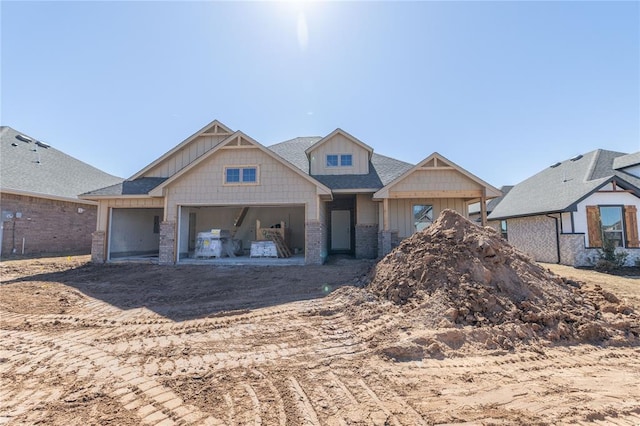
(332, 160)
(422, 216)
(615, 225)
(241, 175)
(342, 160)
(249, 174)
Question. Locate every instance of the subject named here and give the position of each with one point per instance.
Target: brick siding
(48, 227)
(98, 247)
(535, 236)
(366, 241)
(316, 248)
(167, 243)
(387, 241)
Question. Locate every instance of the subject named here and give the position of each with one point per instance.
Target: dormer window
(332, 160)
(342, 160)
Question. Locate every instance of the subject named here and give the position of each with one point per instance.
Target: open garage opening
(135, 232)
(241, 229)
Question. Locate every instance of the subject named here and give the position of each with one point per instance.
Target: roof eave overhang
(517, 216)
(354, 191)
(113, 197)
(79, 200)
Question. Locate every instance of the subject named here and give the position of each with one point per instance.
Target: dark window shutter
(631, 225)
(593, 226)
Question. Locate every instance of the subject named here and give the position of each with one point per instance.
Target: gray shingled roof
(140, 186)
(491, 204)
(293, 151)
(382, 169)
(626, 161)
(561, 186)
(32, 166)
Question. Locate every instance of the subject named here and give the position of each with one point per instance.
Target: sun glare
(303, 31)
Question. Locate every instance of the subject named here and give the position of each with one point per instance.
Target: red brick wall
(47, 226)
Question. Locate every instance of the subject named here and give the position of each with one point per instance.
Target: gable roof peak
(337, 131)
(214, 127)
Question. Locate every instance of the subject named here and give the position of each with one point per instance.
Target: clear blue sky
(503, 89)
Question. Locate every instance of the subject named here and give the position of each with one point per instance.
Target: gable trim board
(218, 128)
(436, 159)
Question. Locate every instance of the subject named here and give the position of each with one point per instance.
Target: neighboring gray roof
(561, 186)
(29, 165)
(626, 161)
(138, 186)
(382, 169)
(491, 204)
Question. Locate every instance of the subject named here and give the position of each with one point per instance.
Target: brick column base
(315, 243)
(167, 255)
(98, 247)
(366, 241)
(387, 241)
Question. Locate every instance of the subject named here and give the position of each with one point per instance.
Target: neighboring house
(332, 194)
(565, 213)
(39, 187)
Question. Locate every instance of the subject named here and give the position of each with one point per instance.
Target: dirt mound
(455, 274)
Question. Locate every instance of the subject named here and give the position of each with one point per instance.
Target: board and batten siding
(366, 210)
(277, 184)
(185, 156)
(435, 180)
(339, 144)
(401, 212)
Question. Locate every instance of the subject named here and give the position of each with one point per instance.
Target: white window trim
(241, 167)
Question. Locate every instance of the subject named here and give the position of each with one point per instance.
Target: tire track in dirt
(516, 384)
(152, 402)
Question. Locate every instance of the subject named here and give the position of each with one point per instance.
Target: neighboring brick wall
(315, 241)
(534, 235)
(572, 251)
(98, 247)
(47, 226)
(167, 243)
(366, 241)
(387, 241)
(589, 257)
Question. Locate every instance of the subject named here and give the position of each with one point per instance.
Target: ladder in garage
(239, 219)
(275, 236)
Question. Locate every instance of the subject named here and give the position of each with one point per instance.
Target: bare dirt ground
(128, 344)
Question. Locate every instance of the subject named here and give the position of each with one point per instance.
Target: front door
(340, 230)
